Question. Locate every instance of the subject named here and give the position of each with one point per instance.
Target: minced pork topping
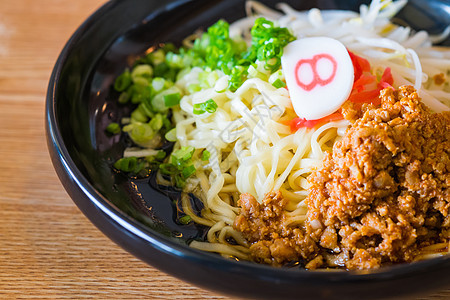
(382, 194)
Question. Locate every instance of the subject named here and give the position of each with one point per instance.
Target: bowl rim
(164, 244)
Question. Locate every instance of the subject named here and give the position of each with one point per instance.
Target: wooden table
(48, 249)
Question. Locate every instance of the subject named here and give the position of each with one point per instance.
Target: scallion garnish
(279, 83)
(139, 115)
(172, 99)
(160, 155)
(156, 123)
(185, 219)
(268, 42)
(141, 133)
(180, 166)
(154, 161)
(129, 164)
(171, 135)
(124, 97)
(209, 106)
(205, 155)
(237, 77)
(140, 93)
(142, 71)
(123, 81)
(188, 171)
(113, 128)
(184, 154)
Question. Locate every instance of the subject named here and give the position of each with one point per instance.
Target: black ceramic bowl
(141, 219)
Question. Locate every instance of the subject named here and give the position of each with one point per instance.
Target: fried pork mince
(264, 226)
(381, 196)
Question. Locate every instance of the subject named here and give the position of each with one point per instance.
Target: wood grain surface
(48, 249)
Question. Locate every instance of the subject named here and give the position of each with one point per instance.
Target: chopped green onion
(140, 93)
(188, 171)
(237, 77)
(184, 154)
(171, 135)
(124, 97)
(141, 133)
(208, 78)
(198, 109)
(172, 99)
(113, 128)
(279, 83)
(183, 72)
(156, 123)
(141, 81)
(168, 169)
(169, 47)
(174, 60)
(205, 155)
(180, 166)
(123, 81)
(193, 87)
(129, 164)
(209, 106)
(157, 56)
(160, 155)
(139, 115)
(146, 108)
(158, 84)
(268, 42)
(185, 219)
(142, 71)
(171, 96)
(157, 103)
(160, 70)
(179, 181)
(255, 73)
(167, 124)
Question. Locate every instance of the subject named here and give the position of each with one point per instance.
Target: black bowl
(141, 218)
